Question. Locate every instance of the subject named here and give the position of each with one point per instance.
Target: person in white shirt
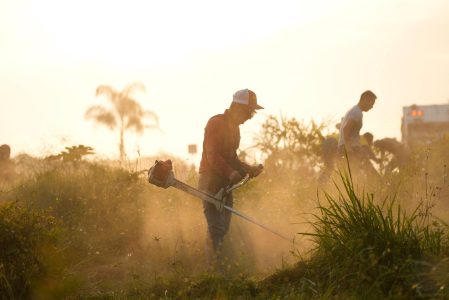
(352, 122)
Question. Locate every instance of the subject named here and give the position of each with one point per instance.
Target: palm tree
(126, 113)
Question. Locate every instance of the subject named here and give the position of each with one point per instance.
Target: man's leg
(227, 214)
(217, 226)
(218, 222)
(210, 245)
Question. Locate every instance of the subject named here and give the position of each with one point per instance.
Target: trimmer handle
(257, 171)
(224, 192)
(238, 184)
(244, 180)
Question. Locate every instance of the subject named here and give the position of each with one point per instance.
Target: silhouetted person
(366, 154)
(395, 148)
(220, 166)
(6, 165)
(351, 124)
(367, 139)
(366, 147)
(329, 155)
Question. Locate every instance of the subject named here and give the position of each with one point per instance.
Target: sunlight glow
(133, 33)
(305, 59)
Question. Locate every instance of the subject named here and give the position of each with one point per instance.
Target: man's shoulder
(217, 118)
(355, 112)
(216, 121)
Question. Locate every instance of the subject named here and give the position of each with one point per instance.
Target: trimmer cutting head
(161, 174)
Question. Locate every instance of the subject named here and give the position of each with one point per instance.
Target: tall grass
(374, 248)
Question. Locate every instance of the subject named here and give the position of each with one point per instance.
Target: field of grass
(89, 230)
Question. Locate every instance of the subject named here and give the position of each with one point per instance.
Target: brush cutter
(161, 174)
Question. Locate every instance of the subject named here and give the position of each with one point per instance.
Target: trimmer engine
(161, 174)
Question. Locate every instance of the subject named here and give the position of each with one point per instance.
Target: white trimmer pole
(197, 193)
(162, 175)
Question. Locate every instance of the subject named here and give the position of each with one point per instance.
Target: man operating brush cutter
(221, 170)
(220, 166)
(161, 174)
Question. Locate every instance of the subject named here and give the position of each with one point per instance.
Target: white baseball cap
(246, 97)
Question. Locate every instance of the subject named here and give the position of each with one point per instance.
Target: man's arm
(242, 166)
(252, 171)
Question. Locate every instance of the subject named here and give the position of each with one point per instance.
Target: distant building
(424, 123)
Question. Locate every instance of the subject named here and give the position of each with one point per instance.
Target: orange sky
(307, 59)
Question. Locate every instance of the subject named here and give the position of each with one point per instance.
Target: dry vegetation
(85, 229)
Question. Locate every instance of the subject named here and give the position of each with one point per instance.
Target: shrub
(97, 205)
(23, 233)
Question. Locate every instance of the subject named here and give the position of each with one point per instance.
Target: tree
(290, 144)
(73, 154)
(126, 113)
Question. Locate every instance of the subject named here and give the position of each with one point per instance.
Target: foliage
(364, 250)
(73, 154)
(23, 233)
(291, 144)
(111, 221)
(120, 237)
(126, 113)
(92, 201)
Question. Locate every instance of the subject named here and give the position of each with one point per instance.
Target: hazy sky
(304, 59)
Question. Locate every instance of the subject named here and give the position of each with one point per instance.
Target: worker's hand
(235, 177)
(255, 171)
